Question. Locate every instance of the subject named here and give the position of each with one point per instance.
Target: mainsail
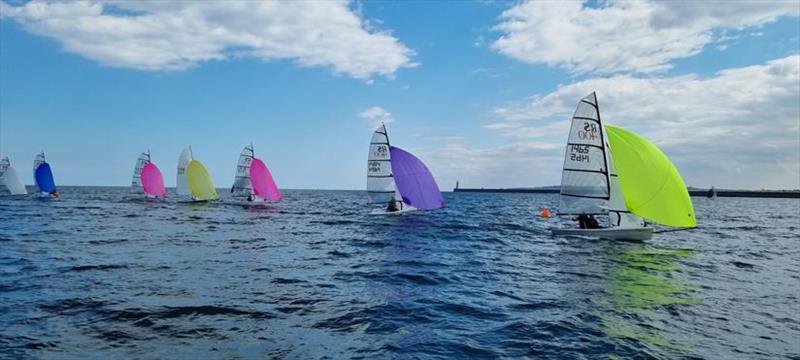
(414, 181)
(9, 178)
(585, 185)
(653, 188)
(181, 183)
(152, 181)
(380, 182)
(136, 182)
(43, 175)
(242, 186)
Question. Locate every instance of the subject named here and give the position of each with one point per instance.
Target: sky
(481, 91)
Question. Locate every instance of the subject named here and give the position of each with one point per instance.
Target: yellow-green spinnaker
(200, 182)
(652, 185)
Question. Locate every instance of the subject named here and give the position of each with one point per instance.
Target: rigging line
(673, 230)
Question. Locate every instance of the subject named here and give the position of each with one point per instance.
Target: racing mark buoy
(545, 213)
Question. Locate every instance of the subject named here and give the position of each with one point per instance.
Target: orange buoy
(545, 213)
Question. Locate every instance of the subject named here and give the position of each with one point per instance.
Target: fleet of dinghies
(608, 171)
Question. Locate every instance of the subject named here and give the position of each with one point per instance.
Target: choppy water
(98, 275)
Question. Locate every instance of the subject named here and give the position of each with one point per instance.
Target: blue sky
(481, 91)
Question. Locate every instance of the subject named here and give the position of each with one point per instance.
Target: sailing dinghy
(397, 179)
(147, 178)
(253, 181)
(43, 175)
(610, 171)
(193, 179)
(9, 179)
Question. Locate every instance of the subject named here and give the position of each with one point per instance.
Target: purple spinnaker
(414, 181)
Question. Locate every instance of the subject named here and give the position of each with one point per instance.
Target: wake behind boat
(398, 180)
(612, 172)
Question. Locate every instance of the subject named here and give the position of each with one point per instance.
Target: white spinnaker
(380, 182)
(585, 187)
(181, 184)
(9, 179)
(136, 182)
(38, 160)
(242, 186)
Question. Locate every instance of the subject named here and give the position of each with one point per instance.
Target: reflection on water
(642, 282)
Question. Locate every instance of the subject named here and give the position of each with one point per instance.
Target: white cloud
(376, 115)
(739, 128)
(624, 36)
(175, 35)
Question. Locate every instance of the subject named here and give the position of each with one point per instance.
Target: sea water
(103, 274)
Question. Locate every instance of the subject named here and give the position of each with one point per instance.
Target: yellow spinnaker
(652, 185)
(200, 182)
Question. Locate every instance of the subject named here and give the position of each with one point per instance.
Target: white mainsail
(9, 179)
(38, 160)
(585, 185)
(242, 186)
(182, 184)
(136, 182)
(380, 182)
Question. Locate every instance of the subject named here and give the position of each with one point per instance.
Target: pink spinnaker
(263, 184)
(152, 181)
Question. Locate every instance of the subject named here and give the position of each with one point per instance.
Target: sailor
(392, 206)
(591, 223)
(55, 194)
(582, 221)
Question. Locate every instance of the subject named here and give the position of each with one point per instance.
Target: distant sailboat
(612, 171)
(253, 181)
(397, 179)
(43, 175)
(9, 179)
(147, 178)
(193, 179)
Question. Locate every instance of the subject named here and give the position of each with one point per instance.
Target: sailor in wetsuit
(392, 206)
(587, 222)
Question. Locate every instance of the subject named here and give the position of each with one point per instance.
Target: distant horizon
(484, 98)
(443, 189)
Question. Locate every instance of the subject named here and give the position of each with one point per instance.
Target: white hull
(640, 234)
(406, 209)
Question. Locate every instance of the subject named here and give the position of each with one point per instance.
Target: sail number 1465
(579, 153)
